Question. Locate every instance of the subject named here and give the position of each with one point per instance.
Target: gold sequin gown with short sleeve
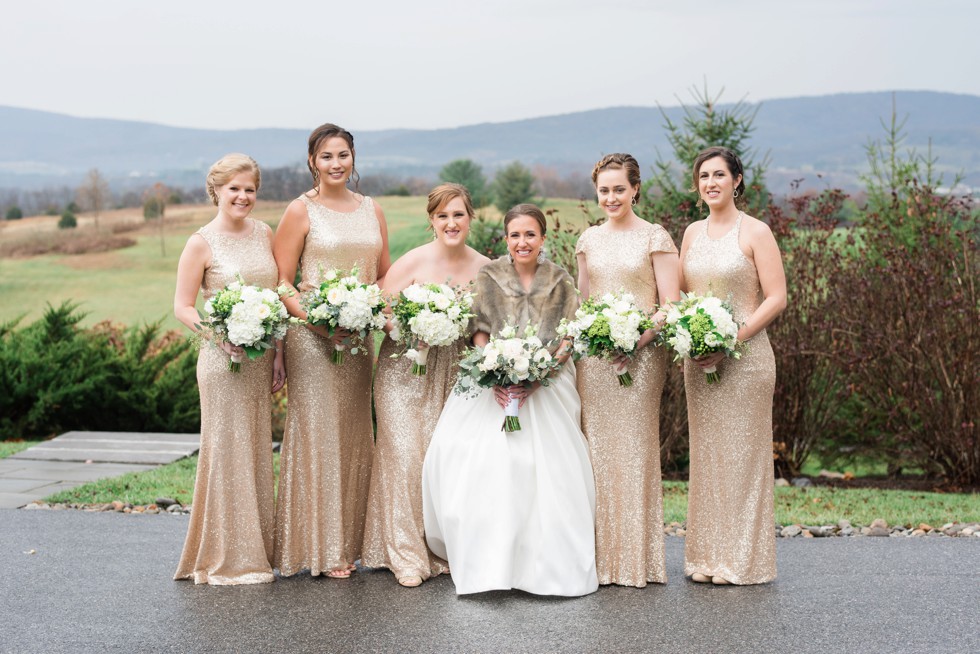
(328, 444)
(407, 408)
(229, 539)
(730, 524)
(622, 424)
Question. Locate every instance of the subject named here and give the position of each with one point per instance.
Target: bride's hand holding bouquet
(512, 365)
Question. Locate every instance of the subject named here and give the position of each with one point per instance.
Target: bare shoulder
(755, 228)
(693, 228)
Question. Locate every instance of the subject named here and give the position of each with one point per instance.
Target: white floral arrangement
(506, 360)
(342, 301)
(250, 317)
(698, 325)
(429, 315)
(607, 327)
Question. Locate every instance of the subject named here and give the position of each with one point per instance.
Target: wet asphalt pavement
(101, 582)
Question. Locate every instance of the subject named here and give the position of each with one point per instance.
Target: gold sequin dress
(327, 448)
(229, 539)
(730, 525)
(622, 424)
(407, 408)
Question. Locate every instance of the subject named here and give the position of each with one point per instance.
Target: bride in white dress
(515, 510)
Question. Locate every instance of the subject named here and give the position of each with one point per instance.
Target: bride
(515, 510)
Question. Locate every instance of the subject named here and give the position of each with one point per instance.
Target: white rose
(441, 302)
(521, 367)
(336, 296)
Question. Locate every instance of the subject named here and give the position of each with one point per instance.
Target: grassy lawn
(808, 506)
(13, 447)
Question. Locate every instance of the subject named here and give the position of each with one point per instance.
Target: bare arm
(384, 262)
(287, 248)
(583, 275)
(772, 279)
(194, 260)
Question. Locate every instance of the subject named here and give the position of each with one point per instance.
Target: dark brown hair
(321, 134)
(620, 161)
(527, 210)
(732, 162)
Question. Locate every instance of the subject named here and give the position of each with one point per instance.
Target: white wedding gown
(513, 510)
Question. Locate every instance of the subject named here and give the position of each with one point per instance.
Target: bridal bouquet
(699, 325)
(607, 327)
(343, 302)
(506, 360)
(251, 317)
(429, 315)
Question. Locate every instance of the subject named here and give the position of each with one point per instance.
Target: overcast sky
(431, 64)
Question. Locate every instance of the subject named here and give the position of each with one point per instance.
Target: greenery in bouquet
(429, 315)
(250, 317)
(607, 327)
(698, 325)
(342, 301)
(506, 360)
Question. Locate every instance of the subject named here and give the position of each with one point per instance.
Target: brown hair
(732, 162)
(443, 194)
(620, 161)
(321, 134)
(527, 210)
(225, 168)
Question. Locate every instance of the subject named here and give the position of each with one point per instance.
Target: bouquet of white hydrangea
(429, 315)
(251, 317)
(698, 325)
(342, 301)
(607, 327)
(506, 360)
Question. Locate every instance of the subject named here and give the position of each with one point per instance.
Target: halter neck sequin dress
(622, 424)
(730, 524)
(229, 539)
(325, 467)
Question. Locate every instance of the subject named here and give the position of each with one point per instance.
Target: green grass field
(807, 506)
(136, 284)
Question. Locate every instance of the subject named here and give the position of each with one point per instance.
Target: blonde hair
(227, 167)
(443, 194)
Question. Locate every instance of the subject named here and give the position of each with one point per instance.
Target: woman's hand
(337, 338)
(709, 360)
(232, 350)
(278, 371)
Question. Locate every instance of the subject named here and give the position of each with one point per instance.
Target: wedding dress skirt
(513, 510)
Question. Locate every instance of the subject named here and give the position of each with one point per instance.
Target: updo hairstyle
(225, 168)
(620, 161)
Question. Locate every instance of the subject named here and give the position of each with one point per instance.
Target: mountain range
(821, 139)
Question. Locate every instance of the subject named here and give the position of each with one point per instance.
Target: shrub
(513, 185)
(67, 221)
(14, 213)
(469, 174)
(487, 236)
(908, 331)
(56, 376)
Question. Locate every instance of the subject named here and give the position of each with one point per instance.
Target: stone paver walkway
(79, 457)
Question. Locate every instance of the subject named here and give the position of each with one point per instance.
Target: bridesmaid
(229, 539)
(408, 406)
(621, 424)
(730, 537)
(328, 443)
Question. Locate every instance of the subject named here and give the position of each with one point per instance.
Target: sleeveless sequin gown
(407, 408)
(229, 539)
(730, 524)
(622, 424)
(327, 448)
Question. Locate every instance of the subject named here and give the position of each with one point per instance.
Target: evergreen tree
(469, 174)
(513, 185)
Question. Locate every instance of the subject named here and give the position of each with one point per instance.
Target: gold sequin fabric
(730, 504)
(407, 408)
(325, 467)
(622, 424)
(229, 539)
